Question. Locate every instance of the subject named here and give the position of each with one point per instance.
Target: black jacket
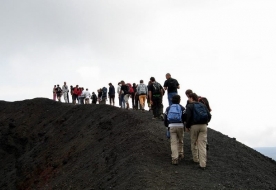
(189, 114)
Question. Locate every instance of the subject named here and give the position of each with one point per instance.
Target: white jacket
(86, 94)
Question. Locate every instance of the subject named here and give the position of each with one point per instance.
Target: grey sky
(224, 50)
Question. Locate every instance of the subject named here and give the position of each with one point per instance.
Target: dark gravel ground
(51, 145)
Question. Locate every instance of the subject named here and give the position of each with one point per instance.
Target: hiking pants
(111, 100)
(170, 95)
(177, 135)
(137, 102)
(122, 101)
(65, 95)
(157, 101)
(142, 99)
(198, 143)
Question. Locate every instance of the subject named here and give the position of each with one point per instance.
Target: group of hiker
(193, 118)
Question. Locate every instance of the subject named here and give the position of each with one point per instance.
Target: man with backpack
(124, 95)
(142, 92)
(104, 95)
(59, 92)
(174, 118)
(155, 96)
(171, 85)
(197, 119)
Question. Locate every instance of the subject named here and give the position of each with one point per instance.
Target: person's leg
(174, 145)
(141, 100)
(123, 101)
(180, 137)
(194, 135)
(126, 97)
(201, 143)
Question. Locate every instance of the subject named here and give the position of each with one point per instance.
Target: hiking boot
(180, 157)
(175, 162)
(202, 168)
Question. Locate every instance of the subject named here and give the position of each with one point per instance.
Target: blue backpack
(175, 114)
(104, 90)
(200, 113)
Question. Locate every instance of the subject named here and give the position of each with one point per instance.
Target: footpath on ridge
(52, 145)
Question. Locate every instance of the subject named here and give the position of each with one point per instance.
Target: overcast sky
(224, 50)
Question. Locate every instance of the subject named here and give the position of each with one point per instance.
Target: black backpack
(156, 88)
(59, 90)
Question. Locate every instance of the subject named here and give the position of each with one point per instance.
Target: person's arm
(165, 85)
(165, 118)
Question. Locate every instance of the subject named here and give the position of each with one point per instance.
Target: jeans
(170, 95)
(122, 101)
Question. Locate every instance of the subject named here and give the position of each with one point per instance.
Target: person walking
(171, 85)
(118, 92)
(142, 92)
(197, 119)
(55, 92)
(87, 95)
(174, 118)
(134, 87)
(124, 95)
(65, 91)
(111, 94)
(155, 96)
(75, 95)
(59, 92)
(94, 98)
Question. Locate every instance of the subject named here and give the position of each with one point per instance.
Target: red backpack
(130, 89)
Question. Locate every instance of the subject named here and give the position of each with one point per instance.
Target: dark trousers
(157, 105)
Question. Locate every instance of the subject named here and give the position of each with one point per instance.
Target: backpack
(129, 88)
(175, 114)
(156, 88)
(204, 101)
(59, 90)
(104, 91)
(94, 98)
(142, 89)
(200, 114)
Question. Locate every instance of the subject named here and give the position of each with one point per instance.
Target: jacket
(189, 114)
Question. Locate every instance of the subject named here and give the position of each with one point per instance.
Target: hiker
(71, 92)
(86, 96)
(148, 99)
(155, 96)
(111, 94)
(59, 92)
(171, 85)
(132, 94)
(94, 98)
(142, 92)
(81, 95)
(100, 93)
(118, 92)
(174, 119)
(188, 92)
(75, 94)
(65, 91)
(104, 95)
(197, 119)
(200, 99)
(124, 95)
(54, 93)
